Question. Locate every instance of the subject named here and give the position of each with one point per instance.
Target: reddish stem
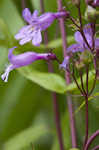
(91, 139)
(54, 96)
(67, 76)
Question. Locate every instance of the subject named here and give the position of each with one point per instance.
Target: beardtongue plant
(78, 57)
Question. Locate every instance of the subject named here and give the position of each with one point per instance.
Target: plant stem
(54, 96)
(67, 76)
(96, 147)
(57, 119)
(94, 135)
(81, 27)
(87, 72)
(86, 136)
(23, 4)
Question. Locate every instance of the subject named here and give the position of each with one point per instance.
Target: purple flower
(24, 60)
(36, 24)
(65, 63)
(80, 46)
(96, 3)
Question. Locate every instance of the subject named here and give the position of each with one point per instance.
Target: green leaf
(49, 81)
(58, 42)
(11, 16)
(4, 29)
(26, 137)
(9, 103)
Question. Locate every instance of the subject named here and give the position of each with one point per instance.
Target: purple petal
(35, 14)
(45, 20)
(37, 38)
(23, 32)
(27, 15)
(96, 3)
(78, 37)
(25, 40)
(6, 74)
(97, 43)
(88, 34)
(65, 63)
(75, 48)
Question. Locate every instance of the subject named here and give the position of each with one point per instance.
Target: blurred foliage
(26, 109)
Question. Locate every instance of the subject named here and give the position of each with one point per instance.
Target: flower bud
(91, 13)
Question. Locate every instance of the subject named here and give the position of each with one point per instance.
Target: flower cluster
(32, 32)
(80, 46)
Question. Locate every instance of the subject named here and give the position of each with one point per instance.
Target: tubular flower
(36, 24)
(24, 60)
(65, 63)
(80, 46)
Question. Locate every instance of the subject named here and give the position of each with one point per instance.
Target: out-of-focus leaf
(26, 137)
(9, 13)
(9, 103)
(49, 81)
(58, 42)
(4, 29)
(52, 81)
(65, 133)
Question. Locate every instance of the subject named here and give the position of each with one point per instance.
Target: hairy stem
(54, 96)
(67, 76)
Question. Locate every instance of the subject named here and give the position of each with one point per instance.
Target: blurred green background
(26, 109)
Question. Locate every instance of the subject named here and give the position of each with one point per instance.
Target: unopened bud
(91, 13)
(76, 2)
